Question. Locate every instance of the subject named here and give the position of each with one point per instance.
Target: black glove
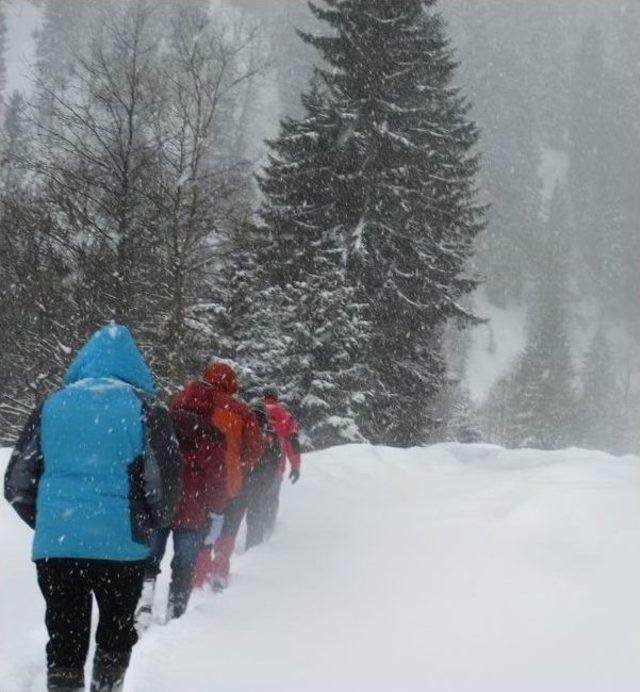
(294, 475)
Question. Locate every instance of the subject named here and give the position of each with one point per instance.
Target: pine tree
(369, 206)
(301, 327)
(541, 399)
(600, 404)
(463, 424)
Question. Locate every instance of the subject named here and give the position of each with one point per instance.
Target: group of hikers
(105, 473)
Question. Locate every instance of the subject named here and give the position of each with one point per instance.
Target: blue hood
(112, 353)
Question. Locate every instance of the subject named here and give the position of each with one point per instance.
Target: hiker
(243, 448)
(204, 497)
(280, 429)
(96, 468)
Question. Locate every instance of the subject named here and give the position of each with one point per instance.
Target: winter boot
(204, 568)
(219, 583)
(222, 562)
(145, 605)
(179, 592)
(65, 679)
(109, 668)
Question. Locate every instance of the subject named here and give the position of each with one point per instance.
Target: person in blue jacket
(96, 469)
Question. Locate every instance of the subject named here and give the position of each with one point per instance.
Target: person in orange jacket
(244, 445)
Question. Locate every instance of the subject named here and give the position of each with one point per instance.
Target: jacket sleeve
(291, 443)
(162, 465)
(24, 470)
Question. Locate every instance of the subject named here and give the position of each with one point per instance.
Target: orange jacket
(235, 420)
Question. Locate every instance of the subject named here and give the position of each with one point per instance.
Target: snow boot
(222, 562)
(219, 583)
(179, 592)
(65, 679)
(145, 605)
(109, 668)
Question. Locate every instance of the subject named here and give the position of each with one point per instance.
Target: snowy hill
(448, 569)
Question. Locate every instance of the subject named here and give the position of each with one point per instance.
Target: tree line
(340, 268)
(560, 89)
(127, 195)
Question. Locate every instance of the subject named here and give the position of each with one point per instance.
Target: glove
(294, 476)
(215, 528)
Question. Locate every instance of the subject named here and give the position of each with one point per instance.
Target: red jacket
(203, 454)
(286, 428)
(219, 450)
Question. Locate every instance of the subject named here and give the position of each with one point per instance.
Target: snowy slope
(449, 569)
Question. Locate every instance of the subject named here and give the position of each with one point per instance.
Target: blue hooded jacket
(97, 477)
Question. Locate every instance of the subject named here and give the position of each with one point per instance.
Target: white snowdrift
(449, 569)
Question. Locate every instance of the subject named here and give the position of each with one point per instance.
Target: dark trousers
(253, 487)
(262, 504)
(67, 585)
(272, 503)
(186, 546)
(233, 516)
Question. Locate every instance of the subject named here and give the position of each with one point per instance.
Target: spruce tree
(301, 329)
(370, 212)
(463, 424)
(542, 399)
(599, 408)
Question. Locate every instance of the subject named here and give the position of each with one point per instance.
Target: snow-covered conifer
(599, 406)
(542, 403)
(369, 200)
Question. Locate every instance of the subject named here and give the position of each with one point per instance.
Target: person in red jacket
(219, 440)
(280, 430)
(202, 449)
(243, 448)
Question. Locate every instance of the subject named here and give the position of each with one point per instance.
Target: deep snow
(448, 569)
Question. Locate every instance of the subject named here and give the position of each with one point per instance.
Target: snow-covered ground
(449, 569)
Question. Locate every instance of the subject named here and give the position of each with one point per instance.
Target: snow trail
(447, 569)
